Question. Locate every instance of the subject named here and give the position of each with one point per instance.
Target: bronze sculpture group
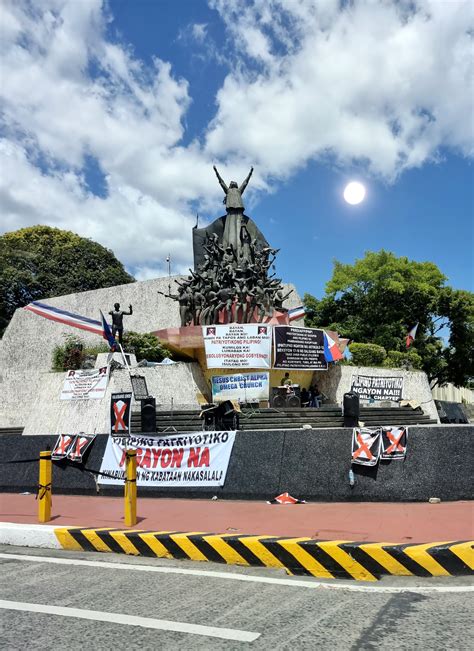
(231, 275)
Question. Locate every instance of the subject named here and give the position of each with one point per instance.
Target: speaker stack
(282, 399)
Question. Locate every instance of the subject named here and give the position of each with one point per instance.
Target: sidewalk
(356, 521)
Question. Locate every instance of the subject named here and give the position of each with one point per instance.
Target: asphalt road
(57, 599)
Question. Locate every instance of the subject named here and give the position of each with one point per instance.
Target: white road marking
(132, 620)
(251, 578)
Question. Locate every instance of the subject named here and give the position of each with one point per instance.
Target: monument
(117, 320)
(232, 259)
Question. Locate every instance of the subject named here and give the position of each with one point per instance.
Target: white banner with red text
(85, 384)
(196, 459)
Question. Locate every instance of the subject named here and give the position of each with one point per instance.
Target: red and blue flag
(107, 333)
(331, 351)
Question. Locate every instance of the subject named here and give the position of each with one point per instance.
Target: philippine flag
(331, 351)
(296, 313)
(63, 316)
(411, 335)
(107, 333)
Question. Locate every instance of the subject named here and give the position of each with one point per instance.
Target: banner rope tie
(42, 490)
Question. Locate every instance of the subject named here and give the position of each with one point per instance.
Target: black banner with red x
(366, 446)
(382, 443)
(394, 442)
(71, 446)
(120, 414)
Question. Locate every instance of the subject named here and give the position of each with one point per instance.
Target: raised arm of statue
(246, 182)
(221, 180)
(130, 312)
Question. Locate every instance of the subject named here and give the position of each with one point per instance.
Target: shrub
(70, 355)
(407, 359)
(73, 354)
(367, 354)
(145, 346)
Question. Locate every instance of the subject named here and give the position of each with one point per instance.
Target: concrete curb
(300, 556)
(29, 535)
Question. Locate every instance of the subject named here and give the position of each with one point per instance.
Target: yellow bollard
(44, 487)
(131, 488)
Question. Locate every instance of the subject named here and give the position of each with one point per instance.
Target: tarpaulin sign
(197, 459)
(120, 413)
(245, 387)
(62, 446)
(79, 446)
(71, 446)
(366, 444)
(85, 384)
(298, 348)
(394, 442)
(377, 387)
(238, 345)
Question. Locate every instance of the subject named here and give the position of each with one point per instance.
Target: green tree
(40, 262)
(378, 298)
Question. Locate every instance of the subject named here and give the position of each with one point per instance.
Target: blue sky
(115, 112)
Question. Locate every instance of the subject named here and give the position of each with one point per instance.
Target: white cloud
(199, 31)
(384, 83)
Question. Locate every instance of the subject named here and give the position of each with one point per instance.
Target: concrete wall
(450, 393)
(174, 386)
(27, 346)
(311, 465)
(335, 382)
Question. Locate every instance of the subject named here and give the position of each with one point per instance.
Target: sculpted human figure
(225, 301)
(233, 194)
(117, 320)
(199, 302)
(243, 295)
(184, 299)
(235, 231)
(278, 299)
(211, 297)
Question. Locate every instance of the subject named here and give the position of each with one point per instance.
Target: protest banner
(197, 459)
(245, 387)
(120, 413)
(299, 348)
(85, 384)
(366, 445)
(378, 388)
(394, 443)
(237, 346)
(71, 446)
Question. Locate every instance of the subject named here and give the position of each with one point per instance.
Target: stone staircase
(11, 431)
(326, 416)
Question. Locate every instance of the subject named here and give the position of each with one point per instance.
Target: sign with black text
(85, 384)
(298, 348)
(377, 387)
(238, 345)
(197, 459)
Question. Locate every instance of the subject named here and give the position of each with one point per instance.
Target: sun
(354, 193)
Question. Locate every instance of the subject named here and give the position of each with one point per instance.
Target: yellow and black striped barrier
(323, 559)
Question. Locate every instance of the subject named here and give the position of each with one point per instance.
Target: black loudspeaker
(293, 401)
(281, 398)
(226, 408)
(351, 409)
(148, 415)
